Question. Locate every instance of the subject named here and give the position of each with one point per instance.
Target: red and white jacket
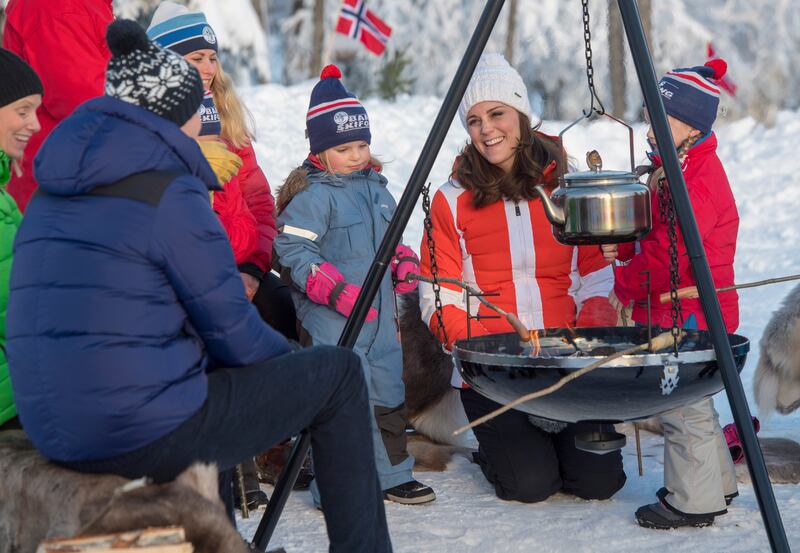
(508, 249)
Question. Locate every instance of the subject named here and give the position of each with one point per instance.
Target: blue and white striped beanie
(335, 116)
(691, 95)
(176, 28)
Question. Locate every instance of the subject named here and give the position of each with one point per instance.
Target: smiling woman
(490, 231)
(20, 95)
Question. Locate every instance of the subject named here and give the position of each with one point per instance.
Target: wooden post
(319, 38)
(149, 540)
(616, 60)
(511, 30)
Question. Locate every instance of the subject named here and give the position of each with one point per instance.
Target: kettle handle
(606, 114)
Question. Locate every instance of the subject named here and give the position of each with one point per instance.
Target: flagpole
(394, 232)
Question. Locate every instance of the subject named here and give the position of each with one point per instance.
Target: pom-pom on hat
(17, 78)
(335, 116)
(176, 28)
(692, 95)
(494, 80)
(150, 77)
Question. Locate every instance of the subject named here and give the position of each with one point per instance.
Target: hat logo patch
(208, 35)
(340, 117)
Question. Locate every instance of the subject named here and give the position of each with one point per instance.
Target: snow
(466, 516)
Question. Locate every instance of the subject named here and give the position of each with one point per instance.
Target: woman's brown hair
(490, 183)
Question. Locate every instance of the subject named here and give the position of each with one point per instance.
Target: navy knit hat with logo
(209, 116)
(691, 94)
(335, 116)
(145, 75)
(176, 28)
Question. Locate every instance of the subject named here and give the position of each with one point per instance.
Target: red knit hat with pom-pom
(692, 95)
(335, 116)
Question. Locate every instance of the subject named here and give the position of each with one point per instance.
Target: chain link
(437, 301)
(667, 216)
(587, 40)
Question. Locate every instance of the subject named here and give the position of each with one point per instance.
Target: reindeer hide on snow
(41, 500)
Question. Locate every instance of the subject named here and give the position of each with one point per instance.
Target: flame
(535, 345)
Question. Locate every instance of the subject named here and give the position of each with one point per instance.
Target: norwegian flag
(725, 83)
(356, 21)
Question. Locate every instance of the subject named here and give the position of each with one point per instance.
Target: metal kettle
(596, 206)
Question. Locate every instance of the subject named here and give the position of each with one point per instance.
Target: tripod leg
(283, 487)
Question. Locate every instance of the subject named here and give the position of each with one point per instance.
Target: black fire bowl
(630, 388)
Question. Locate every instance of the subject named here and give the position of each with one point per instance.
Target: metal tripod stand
(708, 297)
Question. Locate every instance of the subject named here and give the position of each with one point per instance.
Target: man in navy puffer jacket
(133, 348)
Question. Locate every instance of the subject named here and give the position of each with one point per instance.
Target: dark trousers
(248, 409)
(274, 303)
(11, 424)
(525, 463)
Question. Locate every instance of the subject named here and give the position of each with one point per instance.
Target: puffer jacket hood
(104, 125)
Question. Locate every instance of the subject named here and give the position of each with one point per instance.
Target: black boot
(410, 493)
(663, 516)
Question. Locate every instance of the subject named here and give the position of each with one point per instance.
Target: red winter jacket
(259, 201)
(246, 210)
(65, 43)
(718, 221)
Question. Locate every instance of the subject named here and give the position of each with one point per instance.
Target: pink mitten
(597, 311)
(404, 261)
(734, 442)
(325, 285)
(321, 281)
(344, 300)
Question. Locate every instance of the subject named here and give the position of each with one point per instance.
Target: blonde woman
(246, 207)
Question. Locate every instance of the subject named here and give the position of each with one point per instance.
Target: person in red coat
(490, 231)
(699, 477)
(42, 32)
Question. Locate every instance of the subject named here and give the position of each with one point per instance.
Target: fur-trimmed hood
(296, 182)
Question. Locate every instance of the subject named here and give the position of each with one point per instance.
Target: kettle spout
(554, 213)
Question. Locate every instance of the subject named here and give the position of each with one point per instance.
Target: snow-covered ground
(466, 516)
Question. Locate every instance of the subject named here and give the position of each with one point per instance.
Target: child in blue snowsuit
(334, 211)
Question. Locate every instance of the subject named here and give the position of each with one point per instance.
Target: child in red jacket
(699, 475)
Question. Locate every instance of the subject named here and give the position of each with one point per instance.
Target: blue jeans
(249, 409)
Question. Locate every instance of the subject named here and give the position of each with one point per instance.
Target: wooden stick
(638, 449)
(691, 291)
(512, 319)
(661, 341)
(239, 474)
(149, 540)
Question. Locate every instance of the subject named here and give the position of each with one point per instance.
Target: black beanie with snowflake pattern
(143, 74)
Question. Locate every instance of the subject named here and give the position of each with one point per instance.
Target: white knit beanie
(495, 80)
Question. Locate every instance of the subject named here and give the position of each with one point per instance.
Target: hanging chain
(587, 39)
(667, 216)
(437, 301)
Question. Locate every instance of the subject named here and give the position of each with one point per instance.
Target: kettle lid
(599, 178)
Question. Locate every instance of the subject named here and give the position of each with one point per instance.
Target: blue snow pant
(383, 370)
(249, 409)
